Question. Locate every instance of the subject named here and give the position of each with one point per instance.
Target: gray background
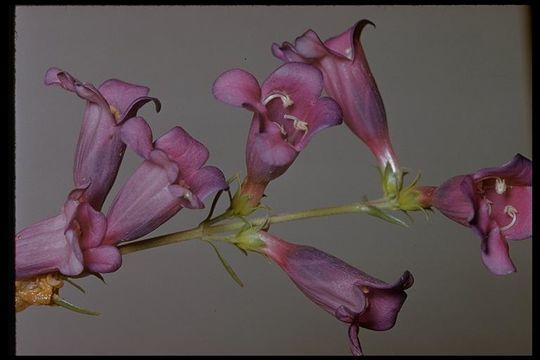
(456, 83)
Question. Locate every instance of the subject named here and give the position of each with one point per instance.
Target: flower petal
(324, 114)
(268, 156)
(205, 181)
(136, 133)
(121, 94)
(286, 52)
(517, 172)
(92, 224)
(310, 46)
(142, 205)
(495, 255)
(238, 88)
(187, 152)
(103, 259)
(384, 303)
(303, 83)
(451, 200)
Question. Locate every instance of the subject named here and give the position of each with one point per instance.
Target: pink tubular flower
(347, 79)
(496, 203)
(68, 243)
(99, 150)
(347, 293)
(171, 177)
(288, 111)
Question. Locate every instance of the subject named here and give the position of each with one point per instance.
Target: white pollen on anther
(512, 212)
(500, 186)
(285, 99)
(297, 123)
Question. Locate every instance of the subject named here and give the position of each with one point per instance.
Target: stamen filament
(510, 211)
(297, 123)
(285, 99)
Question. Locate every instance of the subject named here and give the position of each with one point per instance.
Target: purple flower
(99, 149)
(288, 111)
(68, 243)
(496, 203)
(347, 79)
(347, 293)
(171, 177)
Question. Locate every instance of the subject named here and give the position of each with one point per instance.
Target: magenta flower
(69, 243)
(496, 203)
(99, 150)
(288, 111)
(347, 293)
(171, 177)
(347, 79)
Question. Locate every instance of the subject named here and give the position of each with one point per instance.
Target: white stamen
(281, 128)
(297, 123)
(188, 195)
(348, 53)
(285, 99)
(500, 186)
(510, 211)
(489, 203)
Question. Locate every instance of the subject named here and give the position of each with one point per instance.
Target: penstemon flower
(348, 80)
(288, 112)
(171, 177)
(496, 203)
(99, 149)
(347, 293)
(67, 243)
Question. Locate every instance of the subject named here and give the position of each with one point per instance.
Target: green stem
(207, 230)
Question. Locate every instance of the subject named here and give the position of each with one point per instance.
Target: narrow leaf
(374, 211)
(226, 265)
(66, 304)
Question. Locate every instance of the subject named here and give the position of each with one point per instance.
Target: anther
(512, 212)
(285, 99)
(115, 112)
(297, 123)
(365, 290)
(500, 186)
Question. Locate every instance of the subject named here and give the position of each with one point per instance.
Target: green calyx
(391, 181)
(241, 204)
(248, 238)
(407, 198)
